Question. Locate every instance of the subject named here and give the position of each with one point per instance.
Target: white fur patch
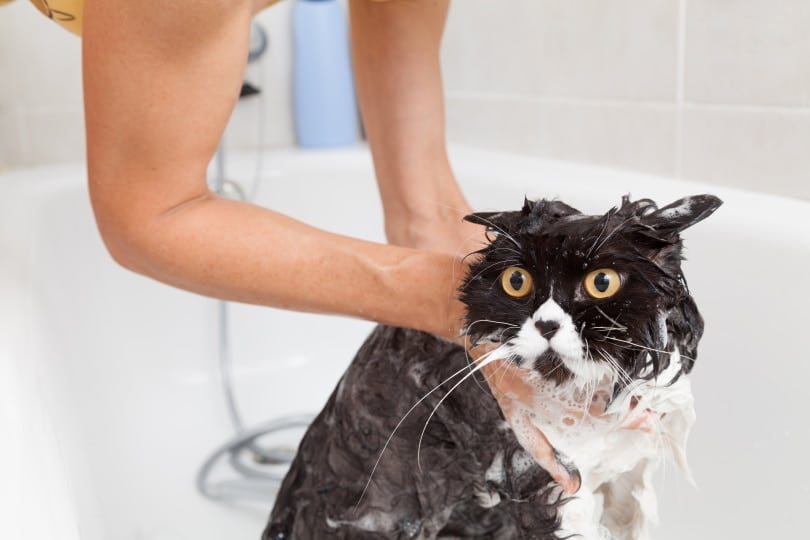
(495, 473)
(374, 521)
(677, 211)
(487, 498)
(529, 344)
(616, 500)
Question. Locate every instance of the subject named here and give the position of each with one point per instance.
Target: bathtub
(111, 397)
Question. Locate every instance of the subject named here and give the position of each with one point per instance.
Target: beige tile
(273, 74)
(40, 89)
(640, 138)
(622, 49)
(493, 123)
(753, 52)
(245, 130)
(9, 54)
(760, 150)
(47, 72)
(11, 144)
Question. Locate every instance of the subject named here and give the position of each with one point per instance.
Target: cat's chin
(582, 373)
(551, 367)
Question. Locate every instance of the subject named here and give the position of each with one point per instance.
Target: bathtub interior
(124, 369)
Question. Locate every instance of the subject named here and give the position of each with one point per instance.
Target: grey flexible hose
(250, 462)
(254, 483)
(254, 467)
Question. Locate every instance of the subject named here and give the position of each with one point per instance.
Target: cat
(413, 445)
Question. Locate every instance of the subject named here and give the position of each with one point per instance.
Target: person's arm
(395, 49)
(160, 80)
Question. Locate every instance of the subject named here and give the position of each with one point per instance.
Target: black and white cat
(593, 309)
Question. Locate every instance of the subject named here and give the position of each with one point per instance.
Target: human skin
(160, 81)
(395, 47)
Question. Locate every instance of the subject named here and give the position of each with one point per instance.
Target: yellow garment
(67, 13)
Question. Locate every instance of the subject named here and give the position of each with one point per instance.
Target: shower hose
(256, 469)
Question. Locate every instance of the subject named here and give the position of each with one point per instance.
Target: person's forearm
(159, 88)
(237, 251)
(395, 48)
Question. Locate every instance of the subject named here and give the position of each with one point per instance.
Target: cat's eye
(602, 283)
(516, 282)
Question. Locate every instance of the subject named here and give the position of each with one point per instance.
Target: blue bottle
(323, 89)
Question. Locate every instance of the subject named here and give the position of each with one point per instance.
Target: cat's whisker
(587, 356)
(461, 212)
(485, 359)
(613, 363)
(503, 369)
(505, 248)
(393, 432)
(614, 325)
(617, 371)
(503, 232)
(645, 348)
(620, 371)
(606, 220)
(469, 327)
(618, 227)
(611, 327)
(608, 317)
(503, 263)
(468, 331)
(555, 368)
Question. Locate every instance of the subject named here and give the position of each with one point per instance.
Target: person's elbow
(122, 227)
(121, 240)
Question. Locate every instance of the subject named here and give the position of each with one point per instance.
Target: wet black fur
(395, 368)
(559, 246)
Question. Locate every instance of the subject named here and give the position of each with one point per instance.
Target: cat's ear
(497, 222)
(533, 215)
(674, 218)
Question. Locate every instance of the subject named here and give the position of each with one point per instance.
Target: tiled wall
(41, 112)
(40, 89)
(714, 90)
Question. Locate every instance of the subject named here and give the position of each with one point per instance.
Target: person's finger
(510, 382)
(534, 441)
(514, 395)
(643, 421)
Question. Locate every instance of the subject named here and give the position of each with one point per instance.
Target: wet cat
(412, 444)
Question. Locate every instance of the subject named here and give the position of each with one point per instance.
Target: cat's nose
(547, 328)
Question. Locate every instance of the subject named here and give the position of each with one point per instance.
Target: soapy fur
(412, 444)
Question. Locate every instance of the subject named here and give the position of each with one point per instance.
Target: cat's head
(582, 297)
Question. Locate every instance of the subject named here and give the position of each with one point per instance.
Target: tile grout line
(22, 138)
(555, 100)
(618, 102)
(747, 108)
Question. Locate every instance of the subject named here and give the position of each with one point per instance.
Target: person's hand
(516, 398)
(516, 393)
